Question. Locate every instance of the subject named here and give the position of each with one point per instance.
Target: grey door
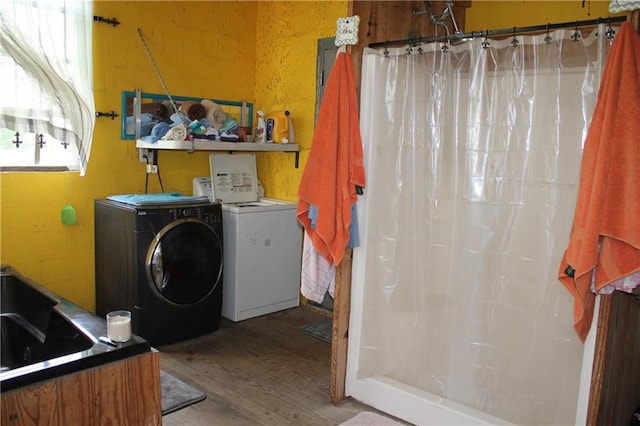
(327, 51)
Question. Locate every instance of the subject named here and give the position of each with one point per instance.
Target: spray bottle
(261, 128)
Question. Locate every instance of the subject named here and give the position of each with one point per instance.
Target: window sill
(34, 169)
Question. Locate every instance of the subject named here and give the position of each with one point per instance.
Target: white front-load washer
(262, 240)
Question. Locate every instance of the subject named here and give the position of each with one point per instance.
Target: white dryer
(262, 245)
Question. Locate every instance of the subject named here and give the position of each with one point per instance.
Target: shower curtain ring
(610, 33)
(386, 50)
(485, 41)
(548, 39)
(514, 40)
(576, 34)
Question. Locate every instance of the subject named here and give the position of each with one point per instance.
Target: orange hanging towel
(334, 167)
(604, 243)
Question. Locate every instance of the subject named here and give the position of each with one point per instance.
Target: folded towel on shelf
(604, 244)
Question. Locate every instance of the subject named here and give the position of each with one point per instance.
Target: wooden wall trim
(614, 393)
(340, 330)
(634, 17)
(602, 334)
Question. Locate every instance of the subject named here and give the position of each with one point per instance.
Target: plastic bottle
(261, 128)
(280, 122)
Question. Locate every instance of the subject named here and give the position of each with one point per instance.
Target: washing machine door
(184, 262)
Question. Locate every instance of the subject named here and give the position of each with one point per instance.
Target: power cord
(155, 163)
(146, 175)
(157, 171)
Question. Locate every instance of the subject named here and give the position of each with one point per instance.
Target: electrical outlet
(152, 168)
(146, 155)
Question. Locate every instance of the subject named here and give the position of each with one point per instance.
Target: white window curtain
(472, 154)
(47, 46)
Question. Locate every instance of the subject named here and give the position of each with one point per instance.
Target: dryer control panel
(204, 214)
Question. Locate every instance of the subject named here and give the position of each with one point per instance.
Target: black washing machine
(163, 263)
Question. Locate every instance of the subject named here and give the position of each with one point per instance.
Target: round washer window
(184, 264)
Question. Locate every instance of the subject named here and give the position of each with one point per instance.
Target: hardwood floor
(261, 371)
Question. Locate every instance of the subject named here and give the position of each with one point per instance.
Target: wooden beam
(634, 17)
(340, 330)
(614, 392)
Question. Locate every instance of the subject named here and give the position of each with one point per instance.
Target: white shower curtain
(472, 155)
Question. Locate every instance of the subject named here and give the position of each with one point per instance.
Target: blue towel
(159, 198)
(354, 234)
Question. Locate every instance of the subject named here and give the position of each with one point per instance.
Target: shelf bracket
(297, 153)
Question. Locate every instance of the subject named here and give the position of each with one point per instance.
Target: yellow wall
(493, 14)
(286, 78)
(261, 51)
(265, 51)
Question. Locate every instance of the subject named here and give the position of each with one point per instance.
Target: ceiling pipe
(439, 20)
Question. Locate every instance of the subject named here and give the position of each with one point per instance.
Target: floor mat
(320, 330)
(176, 394)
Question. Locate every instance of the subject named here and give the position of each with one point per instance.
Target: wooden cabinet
(121, 393)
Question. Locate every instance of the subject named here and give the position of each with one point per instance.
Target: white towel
(318, 276)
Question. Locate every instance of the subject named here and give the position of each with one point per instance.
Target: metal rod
(505, 31)
(155, 67)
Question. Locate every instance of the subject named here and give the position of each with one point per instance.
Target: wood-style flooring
(261, 371)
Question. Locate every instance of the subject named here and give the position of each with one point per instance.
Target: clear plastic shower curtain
(473, 155)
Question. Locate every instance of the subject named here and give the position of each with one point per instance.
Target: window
(46, 108)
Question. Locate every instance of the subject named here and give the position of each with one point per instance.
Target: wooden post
(340, 329)
(634, 17)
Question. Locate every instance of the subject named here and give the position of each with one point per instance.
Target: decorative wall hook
(112, 21)
(41, 141)
(111, 114)
(65, 144)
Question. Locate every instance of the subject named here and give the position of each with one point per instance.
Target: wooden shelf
(207, 145)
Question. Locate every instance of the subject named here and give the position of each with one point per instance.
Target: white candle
(119, 326)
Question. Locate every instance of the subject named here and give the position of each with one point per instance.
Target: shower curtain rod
(504, 31)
